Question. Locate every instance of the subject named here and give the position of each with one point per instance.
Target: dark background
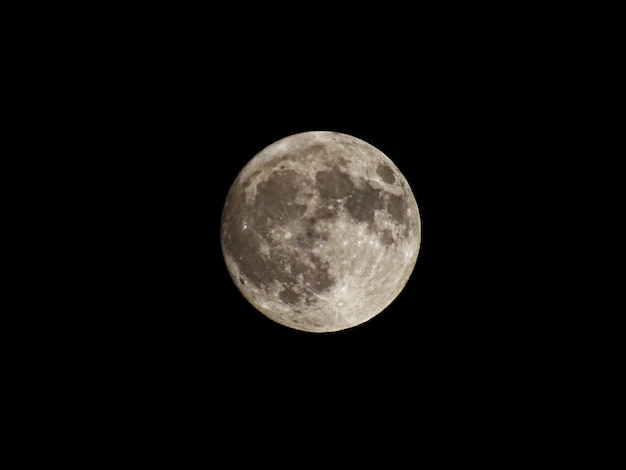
(133, 124)
(180, 117)
(162, 117)
(451, 129)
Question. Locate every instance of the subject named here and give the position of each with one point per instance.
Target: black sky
(176, 125)
(191, 128)
(150, 115)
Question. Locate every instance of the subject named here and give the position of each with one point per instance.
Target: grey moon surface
(320, 231)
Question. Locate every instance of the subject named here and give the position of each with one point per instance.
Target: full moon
(320, 231)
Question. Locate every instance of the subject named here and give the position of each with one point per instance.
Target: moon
(320, 231)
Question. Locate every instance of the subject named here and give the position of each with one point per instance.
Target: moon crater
(320, 231)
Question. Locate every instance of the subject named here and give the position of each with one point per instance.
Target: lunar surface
(320, 231)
